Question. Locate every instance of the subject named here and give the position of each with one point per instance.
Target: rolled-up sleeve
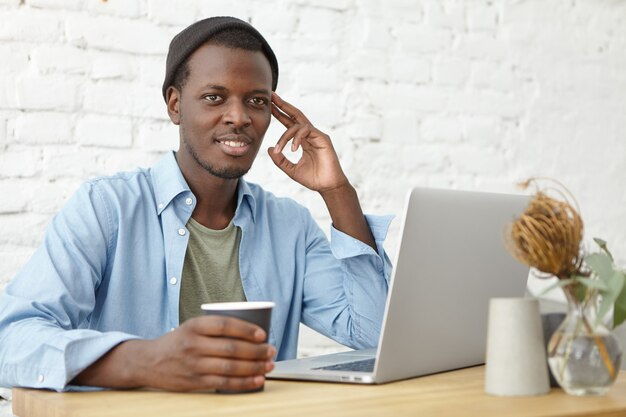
(346, 284)
(43, 311)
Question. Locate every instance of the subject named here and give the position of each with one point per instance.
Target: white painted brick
(405, 69)
(487, 75)
(407, 97)
(265, 19)
(366, 127)
(483, 132)
(123, 8)
(239, 9)
(322, 116)
(329, 4)
(367, 64)
(322, 24)
(152, 70)
(148, 103)
(158, 136)
(50, 92)
(420, 39)
(370, 32)
(446, 15)
(54, 58)
(3, 132)
(107, 65)
(323, 78)
(404, 10)
(70, 162)
(316, 51)
(483, 16)
(22, 229)
(441, 128)
(49, 196)
(127, 160)
(20, 162)
(104, 131)
(16, 58)
(29, 25)
(56, 4)
(108, 97)
(481, 46)
(15, 195)
(451, 71)
(125, 99)
(12, 258)
(400, 127)
(43, 128)
(109, 33)
(477, 161)
(487, 104)
(182, 12)
(10, 3)
(8, 92)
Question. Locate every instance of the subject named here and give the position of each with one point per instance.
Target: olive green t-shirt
(211, 269)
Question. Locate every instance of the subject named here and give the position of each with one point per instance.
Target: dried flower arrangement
(548, 238)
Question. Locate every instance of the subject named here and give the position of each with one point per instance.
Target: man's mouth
(234, 145)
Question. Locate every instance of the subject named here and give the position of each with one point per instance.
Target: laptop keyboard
(366, 365)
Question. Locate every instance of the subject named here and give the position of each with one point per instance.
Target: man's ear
(172, 98)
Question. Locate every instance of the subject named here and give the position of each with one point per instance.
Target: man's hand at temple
(318, 169)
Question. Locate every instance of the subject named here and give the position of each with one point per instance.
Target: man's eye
(258, 101)
(213, 98)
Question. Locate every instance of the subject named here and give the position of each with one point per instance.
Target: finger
(285, 138)
(225, 347)
(233, 367)
(282, 162)
(299, 137)
(282, 117)
(231, 383)
(226, 326)
(289, 109)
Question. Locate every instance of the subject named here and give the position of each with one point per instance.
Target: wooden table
(457, 393)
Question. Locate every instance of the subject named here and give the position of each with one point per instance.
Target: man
(111, 298)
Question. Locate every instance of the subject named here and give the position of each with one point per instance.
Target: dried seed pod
(547, 236)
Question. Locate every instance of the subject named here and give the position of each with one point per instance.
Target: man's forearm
(121, 367)
(346, 214)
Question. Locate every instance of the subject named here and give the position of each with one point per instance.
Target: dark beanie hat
(194, 36)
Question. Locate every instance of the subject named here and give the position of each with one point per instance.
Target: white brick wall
(468, 94)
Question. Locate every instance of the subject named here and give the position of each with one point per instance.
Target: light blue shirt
(110, 265)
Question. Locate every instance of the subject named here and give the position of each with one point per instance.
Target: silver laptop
(450, 262)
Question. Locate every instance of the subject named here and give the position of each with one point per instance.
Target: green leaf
(615, 284)
(601, 264)
(561, 283)
(603, 246)
(619, 314)
(593, 283)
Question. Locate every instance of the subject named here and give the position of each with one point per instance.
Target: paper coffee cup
(256, 312)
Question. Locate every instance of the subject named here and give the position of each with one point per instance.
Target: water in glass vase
(585, 364)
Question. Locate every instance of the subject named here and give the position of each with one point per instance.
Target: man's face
(224, 109)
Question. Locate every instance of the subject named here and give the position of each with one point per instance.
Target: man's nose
(236, 114)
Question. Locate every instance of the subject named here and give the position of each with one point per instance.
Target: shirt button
(181, 232)
(189, 201)
(173, 280)
(40, 378)
(172, 329)
(161, 205)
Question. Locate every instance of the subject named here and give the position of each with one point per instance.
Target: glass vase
(583, 354)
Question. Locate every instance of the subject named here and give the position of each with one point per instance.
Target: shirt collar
(169, 182)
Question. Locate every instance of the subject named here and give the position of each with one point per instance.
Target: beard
(226, 173)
